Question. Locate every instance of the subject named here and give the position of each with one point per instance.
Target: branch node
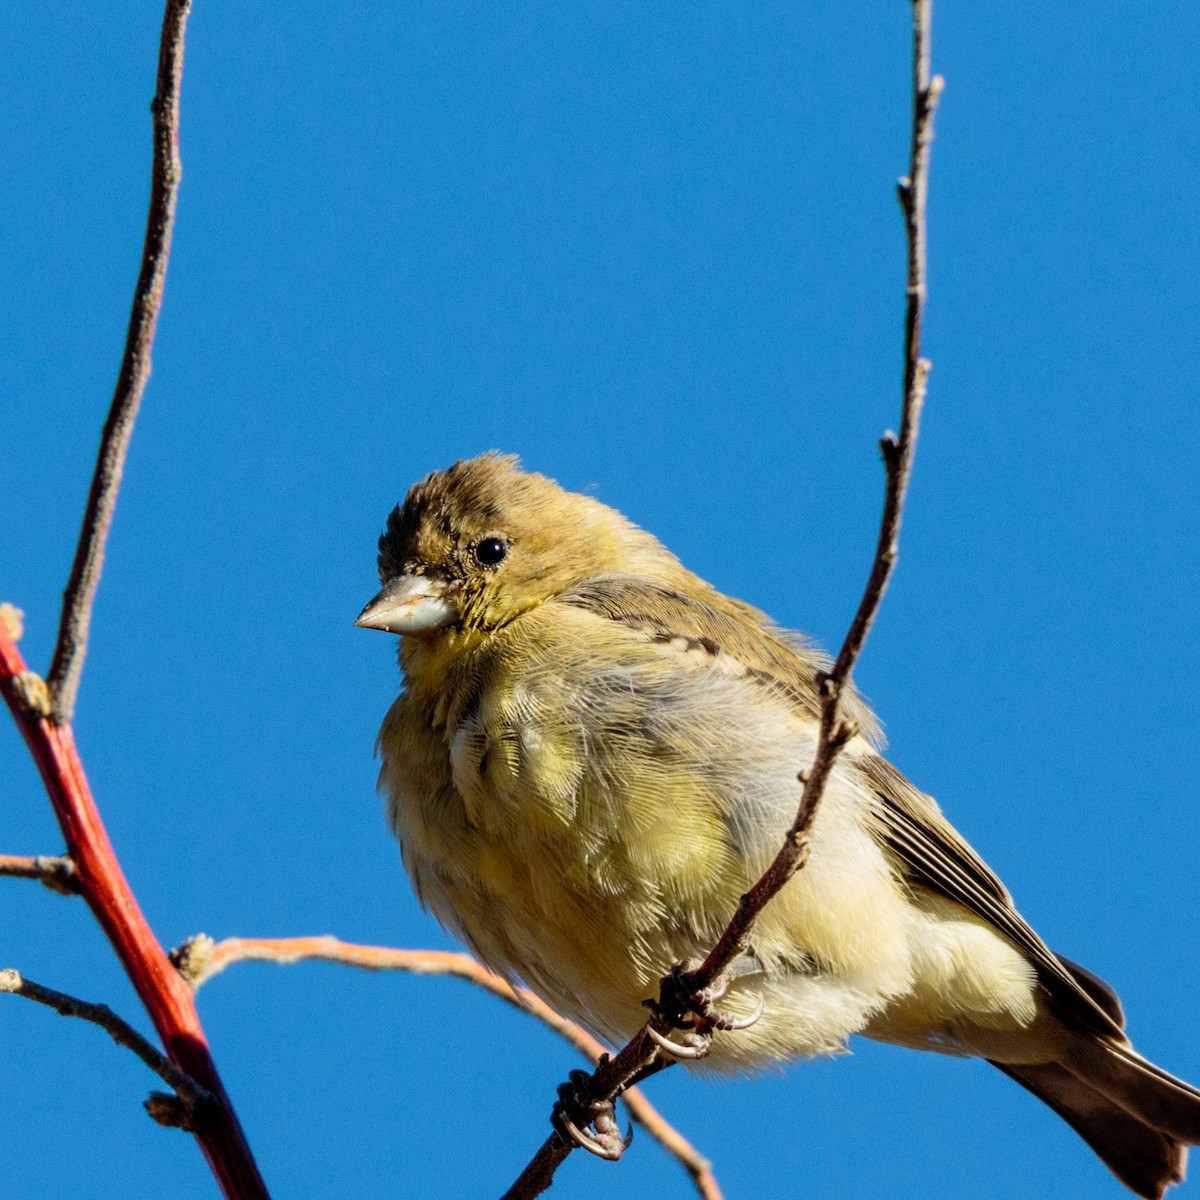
(802, 840)
(170, 1110)
(13, 620)
(844, 731)
(33, 694)
(192, 957)
(58, 873)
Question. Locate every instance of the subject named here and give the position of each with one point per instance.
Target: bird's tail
(1136, 1117)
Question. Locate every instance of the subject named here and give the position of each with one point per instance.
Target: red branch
(166, 995)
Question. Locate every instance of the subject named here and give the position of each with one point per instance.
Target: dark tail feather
(1142, 1157)
(1147, 1092)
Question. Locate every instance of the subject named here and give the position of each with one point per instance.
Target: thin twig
(194, 1099)
(199, 959)
(834, 732)
(80, 593)
(57, 872)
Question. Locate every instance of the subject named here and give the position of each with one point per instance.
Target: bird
(594, 753)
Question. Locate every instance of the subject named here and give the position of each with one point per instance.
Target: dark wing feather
(939, 859)
(1095, 987)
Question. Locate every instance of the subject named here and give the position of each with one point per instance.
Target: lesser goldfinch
(595, 753)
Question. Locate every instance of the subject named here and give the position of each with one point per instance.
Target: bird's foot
(684, 1004)
(591, 1124)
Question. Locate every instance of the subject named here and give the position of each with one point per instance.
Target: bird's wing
(733, 635)
(910, 823)
(938, 858)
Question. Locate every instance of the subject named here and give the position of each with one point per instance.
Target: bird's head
(476, 545)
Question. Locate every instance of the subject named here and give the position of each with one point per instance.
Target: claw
(725, 1021)
(697, 1049)
(686, 1006)
(600, 1147)
(709, 996)
(611, 1133)
(606, 1142)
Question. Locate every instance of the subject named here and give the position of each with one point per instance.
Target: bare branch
(897, 453)
(168, 1000)
(193, 1099)
(834, 732)
(56, 872)
(200, 958)
(80, 593)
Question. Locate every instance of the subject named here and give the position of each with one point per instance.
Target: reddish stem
(167, 997)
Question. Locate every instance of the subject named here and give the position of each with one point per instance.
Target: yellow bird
(595, 753)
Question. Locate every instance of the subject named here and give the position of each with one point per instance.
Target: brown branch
(80, 593)
(834, 732)
(56, 872)
(167, 998)
(193, 1100)
(897, 454)
(199, 959)
(609, 1081)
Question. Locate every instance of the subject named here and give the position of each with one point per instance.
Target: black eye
(490, 551)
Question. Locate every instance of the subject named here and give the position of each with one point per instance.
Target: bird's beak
(408, 604)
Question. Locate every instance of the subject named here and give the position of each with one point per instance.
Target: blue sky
(655, 250)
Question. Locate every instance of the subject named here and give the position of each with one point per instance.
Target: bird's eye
(490, 551)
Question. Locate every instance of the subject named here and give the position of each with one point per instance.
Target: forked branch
(43, 714)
